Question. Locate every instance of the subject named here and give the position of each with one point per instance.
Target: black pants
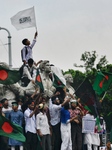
(57, 137)
(76, 135)
(25, 81)
(31, 141)
(3, 143)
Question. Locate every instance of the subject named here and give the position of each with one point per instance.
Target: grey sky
(67, 28)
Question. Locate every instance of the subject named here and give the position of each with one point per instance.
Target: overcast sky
(67, 28)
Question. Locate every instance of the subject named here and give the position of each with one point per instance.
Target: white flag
(24, 19)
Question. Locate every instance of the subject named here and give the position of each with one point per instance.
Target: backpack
(26, 52)
(21, 71)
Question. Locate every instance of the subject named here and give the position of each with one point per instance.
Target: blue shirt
(65, 115)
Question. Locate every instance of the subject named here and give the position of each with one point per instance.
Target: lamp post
(9, 45)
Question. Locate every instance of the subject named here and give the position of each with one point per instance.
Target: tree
(90, 61)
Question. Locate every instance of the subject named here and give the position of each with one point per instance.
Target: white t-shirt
(42, 123)
(30, 123)
(54, 111)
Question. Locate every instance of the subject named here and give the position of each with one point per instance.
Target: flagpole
(79, 86)
(104, 95)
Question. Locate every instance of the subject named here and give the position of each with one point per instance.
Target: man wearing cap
(30, 126)
(54, 110)
(15, 116)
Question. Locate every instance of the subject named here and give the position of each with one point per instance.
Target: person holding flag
(25, 19)
(26, 52)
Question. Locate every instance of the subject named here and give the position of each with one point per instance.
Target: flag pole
(104, 95)
(79, 86)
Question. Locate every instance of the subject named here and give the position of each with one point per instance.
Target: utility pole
(9, 46)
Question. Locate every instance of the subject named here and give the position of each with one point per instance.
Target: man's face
(57, 101)
(27, 42)
(31, 106)
(30, 64)
(47, 67)
(70, 79)
(6, 103)
(14, 107)
(73, 105)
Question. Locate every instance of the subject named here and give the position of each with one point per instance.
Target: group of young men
(54, 121)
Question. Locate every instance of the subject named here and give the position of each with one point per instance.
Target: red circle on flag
(3, 75)
(38, 78)
(6, 127)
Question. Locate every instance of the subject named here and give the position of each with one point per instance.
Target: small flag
(102, 82)
(24, 19)
(11, 130)
(57, 82)
(39, 81)
(99, 129)
(8, 76)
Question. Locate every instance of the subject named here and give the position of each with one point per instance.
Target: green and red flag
(99, 129)
(57, 82)
(102, 82)
(8, 76)
(87, 95)
(39, 81)
(11, 130)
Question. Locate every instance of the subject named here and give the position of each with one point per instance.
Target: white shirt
(42, 123)
(30, 123)
(27, 71)
(54, 111)
(29, 49)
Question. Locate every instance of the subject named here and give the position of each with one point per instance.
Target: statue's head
(68, 78)
(45, 66)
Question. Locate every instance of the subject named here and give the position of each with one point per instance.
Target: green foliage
(91, 66)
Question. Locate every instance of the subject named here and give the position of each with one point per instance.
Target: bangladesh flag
(11, 130)
(87, 95)
(39, 81)
(8, 76)
(102, 82)
(57, 82)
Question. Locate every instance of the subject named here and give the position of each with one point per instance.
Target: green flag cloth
(57, 82)
(102, 82)
(87, 95)
(11, 130)
(39, 81)
(8, 76)
(99, 129)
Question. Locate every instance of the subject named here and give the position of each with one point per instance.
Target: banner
(24, 19)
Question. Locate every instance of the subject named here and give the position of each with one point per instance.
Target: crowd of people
(51, 119)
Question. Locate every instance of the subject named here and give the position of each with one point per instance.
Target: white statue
(45, 70)
(69, 81)
(11, 91)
